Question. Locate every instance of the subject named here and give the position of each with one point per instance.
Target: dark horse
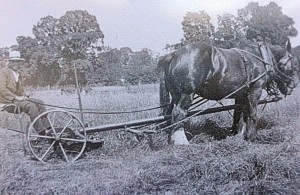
(214, 73)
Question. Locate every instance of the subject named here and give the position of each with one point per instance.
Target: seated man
(12, 94)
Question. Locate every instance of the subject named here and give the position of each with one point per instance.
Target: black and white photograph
(170, 97)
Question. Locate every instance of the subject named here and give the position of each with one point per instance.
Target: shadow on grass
(211, 130)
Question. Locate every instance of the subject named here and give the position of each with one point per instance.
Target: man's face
(15, 65)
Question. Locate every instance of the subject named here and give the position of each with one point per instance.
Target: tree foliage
(267, 22)
(197, 27)
(134, 67)
(229, 32)
(253, 21)
(58, 43)
(4, 52)
(42, 66)
(81, 33)
(74, 34)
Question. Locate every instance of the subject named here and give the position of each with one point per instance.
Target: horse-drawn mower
(68, 137)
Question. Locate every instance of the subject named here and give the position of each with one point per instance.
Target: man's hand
(21, 98)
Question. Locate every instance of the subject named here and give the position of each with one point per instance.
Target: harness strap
(276, 69)
(246, 63)
(255, 56)
(225, 97)
(273, 71)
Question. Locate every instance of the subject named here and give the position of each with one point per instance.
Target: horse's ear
(288, 46)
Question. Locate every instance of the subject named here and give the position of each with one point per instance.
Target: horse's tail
(164, 92)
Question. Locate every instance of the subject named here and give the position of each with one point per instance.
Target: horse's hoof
(249, 137)
(179, 138)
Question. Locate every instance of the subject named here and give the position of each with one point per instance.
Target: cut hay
(214, 163)
(228, 166)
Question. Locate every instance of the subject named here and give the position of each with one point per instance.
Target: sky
(136, 24)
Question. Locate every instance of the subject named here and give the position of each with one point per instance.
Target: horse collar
(267, 56)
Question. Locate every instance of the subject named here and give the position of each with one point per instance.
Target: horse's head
(286, 69)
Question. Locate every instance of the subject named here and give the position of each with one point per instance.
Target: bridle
(287, 79)
(272, 67)
(282, 76)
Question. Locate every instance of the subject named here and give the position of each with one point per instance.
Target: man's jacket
(9, 88)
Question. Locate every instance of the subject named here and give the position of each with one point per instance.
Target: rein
(95, 111)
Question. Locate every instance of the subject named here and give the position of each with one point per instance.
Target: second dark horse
(213, 73)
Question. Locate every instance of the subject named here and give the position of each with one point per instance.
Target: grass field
(213, 164)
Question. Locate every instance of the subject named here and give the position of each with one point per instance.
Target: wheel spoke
(48, 150)
(65, 127)
(42, 136)
(62, 149)
(52, 124)
(74, 140)
(53, 118)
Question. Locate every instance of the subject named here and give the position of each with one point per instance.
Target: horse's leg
(237, 116)
(164, 97)
(250, 113)
(179, 112)
(169, 111)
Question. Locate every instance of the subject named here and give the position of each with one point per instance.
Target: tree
(267, 22)
(27, 46)
(296, 54)
(141, 68)
(253, 21)
(4, 52)
(197, 27)
(47, 66)
(42, 67)
(82, 32)
(85, 73)
(47, 32)
(74, 36)
(134, 67)
(229, 32)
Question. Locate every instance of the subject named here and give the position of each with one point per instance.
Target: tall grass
(107, 100)
(103, 100)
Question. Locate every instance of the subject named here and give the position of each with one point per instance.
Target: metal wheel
(64, 141)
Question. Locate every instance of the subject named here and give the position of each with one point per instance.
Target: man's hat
(15, 56)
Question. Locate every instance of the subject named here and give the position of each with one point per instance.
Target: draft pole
(78, 93)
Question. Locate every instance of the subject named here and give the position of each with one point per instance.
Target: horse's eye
(295, 68)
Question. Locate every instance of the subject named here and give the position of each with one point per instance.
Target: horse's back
(207, 71)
